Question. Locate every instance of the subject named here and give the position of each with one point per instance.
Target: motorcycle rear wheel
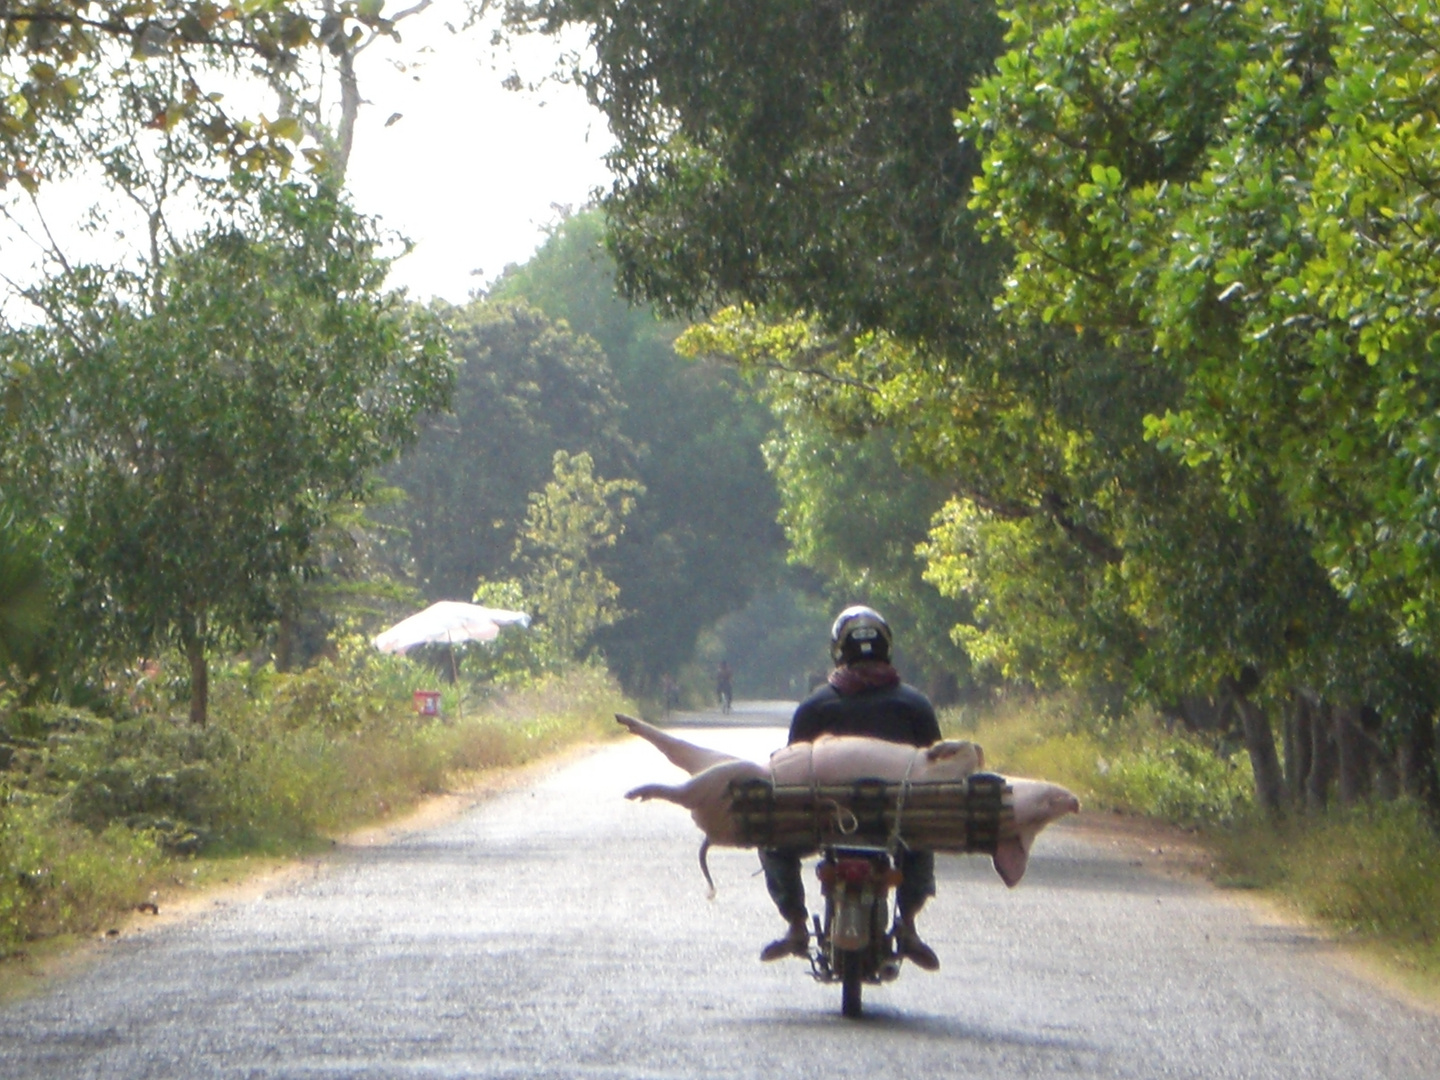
(850, 984)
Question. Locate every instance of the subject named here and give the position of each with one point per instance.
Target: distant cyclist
(723, 690)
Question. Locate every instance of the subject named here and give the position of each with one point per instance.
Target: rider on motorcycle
(863, 696)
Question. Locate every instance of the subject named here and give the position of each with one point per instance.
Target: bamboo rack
(969, 815)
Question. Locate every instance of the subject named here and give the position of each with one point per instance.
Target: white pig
(834, 759)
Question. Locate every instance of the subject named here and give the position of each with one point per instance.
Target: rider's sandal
(908, 942)
(795, 943)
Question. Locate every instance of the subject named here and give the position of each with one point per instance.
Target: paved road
(559, 931)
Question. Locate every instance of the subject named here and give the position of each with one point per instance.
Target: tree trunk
(1322, 759)
(1260, 743)
(1299, 748)
(1384, 761)
(1352, 753)
(1387, 777)
(199, 680)
(285, 641)
(1417, 766)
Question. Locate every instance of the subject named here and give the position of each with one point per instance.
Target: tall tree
(62, 59)
(1242, 194)
(570, 522)
(25, 602)
(526, 387)
(190, 443)
(755, 167)
(703, 536)
(792, 154)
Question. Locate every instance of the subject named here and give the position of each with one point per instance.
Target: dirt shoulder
(1156, 845)
(220, 883)
(1176, 852)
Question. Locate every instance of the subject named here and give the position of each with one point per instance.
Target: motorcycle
(855, 941)
(859, 828)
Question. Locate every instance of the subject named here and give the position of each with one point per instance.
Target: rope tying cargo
(895, 843)
(846, 823)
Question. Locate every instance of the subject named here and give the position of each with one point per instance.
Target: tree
(25, 605)
(1131, 151)
(188, 449)
(1079, 553)
(61, 59)
(855, 515)
(795, 155)
(703, 538)
(575, 517)
(1243, 195)
(526, 386)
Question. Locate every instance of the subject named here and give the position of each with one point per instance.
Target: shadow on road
(878, 1019)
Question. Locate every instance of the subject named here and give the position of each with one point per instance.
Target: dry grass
(1370, 874)
(104, 813)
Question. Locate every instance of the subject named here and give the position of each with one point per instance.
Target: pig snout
(1037, 803)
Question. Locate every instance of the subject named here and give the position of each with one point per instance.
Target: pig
(835, 759)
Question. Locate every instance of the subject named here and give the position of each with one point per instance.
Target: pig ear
(1010, 861)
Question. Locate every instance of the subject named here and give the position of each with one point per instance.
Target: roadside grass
(1369, 874)
(101, 816)
(1134, 764)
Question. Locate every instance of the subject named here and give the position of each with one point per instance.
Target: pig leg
(688, 756)
(683, 795)
(668, 792)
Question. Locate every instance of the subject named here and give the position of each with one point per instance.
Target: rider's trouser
(782, 879)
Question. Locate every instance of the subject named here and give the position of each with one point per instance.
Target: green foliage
(526, 386)
(191, 448)
(1372, 872)
(61, 58)
(574, 518)
(1270, 256)
(796, 155)
(776, 644)
(56, 876)
(520, 655)
(1182, 781)
(1124, 761)
(25, 604)
(702, 538)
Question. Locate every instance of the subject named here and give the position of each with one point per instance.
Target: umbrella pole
(455, 679)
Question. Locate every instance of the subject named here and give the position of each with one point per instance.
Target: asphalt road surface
(557, 930)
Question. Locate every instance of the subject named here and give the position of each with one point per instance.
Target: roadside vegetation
(1369, 872)
(103, 814)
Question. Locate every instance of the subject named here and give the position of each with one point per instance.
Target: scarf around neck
(863, 675)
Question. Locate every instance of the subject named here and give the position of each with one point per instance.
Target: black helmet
(859, 633)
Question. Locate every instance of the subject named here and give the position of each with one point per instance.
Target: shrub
(93, 810)
(1123, 762)
(57, 877)
(1179, 780)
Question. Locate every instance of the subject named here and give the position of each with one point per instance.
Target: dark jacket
(899, 714)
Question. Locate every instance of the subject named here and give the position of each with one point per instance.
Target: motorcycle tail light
(854, 871)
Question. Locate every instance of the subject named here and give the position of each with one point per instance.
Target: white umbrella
(449, 621)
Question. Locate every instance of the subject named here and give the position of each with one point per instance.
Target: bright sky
(467, 170)
(470, 171)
